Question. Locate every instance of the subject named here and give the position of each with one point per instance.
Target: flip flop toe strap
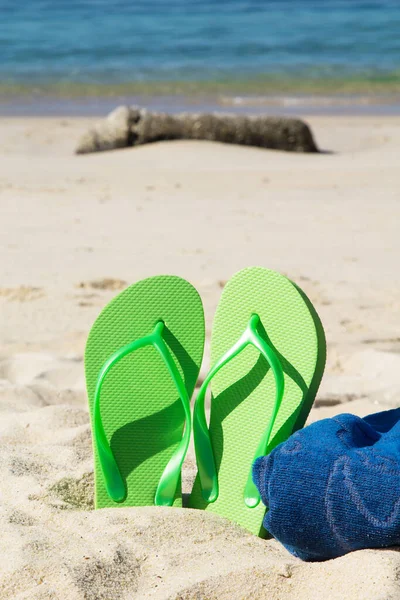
(204, 451)
(168, 482)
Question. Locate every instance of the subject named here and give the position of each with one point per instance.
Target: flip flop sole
(141, 411)
(243, 392)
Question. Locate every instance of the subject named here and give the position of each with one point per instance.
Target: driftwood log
(132, 126)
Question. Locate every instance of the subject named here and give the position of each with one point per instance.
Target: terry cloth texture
(334, 487)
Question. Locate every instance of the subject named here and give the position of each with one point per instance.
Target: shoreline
(37, 105)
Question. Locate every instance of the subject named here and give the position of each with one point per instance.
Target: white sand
(72, 231)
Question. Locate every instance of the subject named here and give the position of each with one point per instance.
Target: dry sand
(74, 230)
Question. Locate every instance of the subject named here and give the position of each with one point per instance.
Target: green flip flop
(142, 360)
(268, 355)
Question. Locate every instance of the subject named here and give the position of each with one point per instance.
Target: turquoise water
(92, 47)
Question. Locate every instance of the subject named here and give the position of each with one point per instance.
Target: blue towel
(334, 487)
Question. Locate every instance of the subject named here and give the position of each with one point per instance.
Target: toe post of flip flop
(142, 361)
(267, 355)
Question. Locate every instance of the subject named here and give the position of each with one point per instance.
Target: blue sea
(228, 52)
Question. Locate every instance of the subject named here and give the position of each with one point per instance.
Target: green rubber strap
(204, 452)
(114, 483)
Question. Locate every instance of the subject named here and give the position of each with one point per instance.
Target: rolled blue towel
(334, 486)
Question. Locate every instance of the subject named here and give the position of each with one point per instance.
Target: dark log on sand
(132, 126)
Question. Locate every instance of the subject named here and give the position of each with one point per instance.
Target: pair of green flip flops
(142, 360)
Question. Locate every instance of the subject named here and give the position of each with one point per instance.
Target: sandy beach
(74, 230)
